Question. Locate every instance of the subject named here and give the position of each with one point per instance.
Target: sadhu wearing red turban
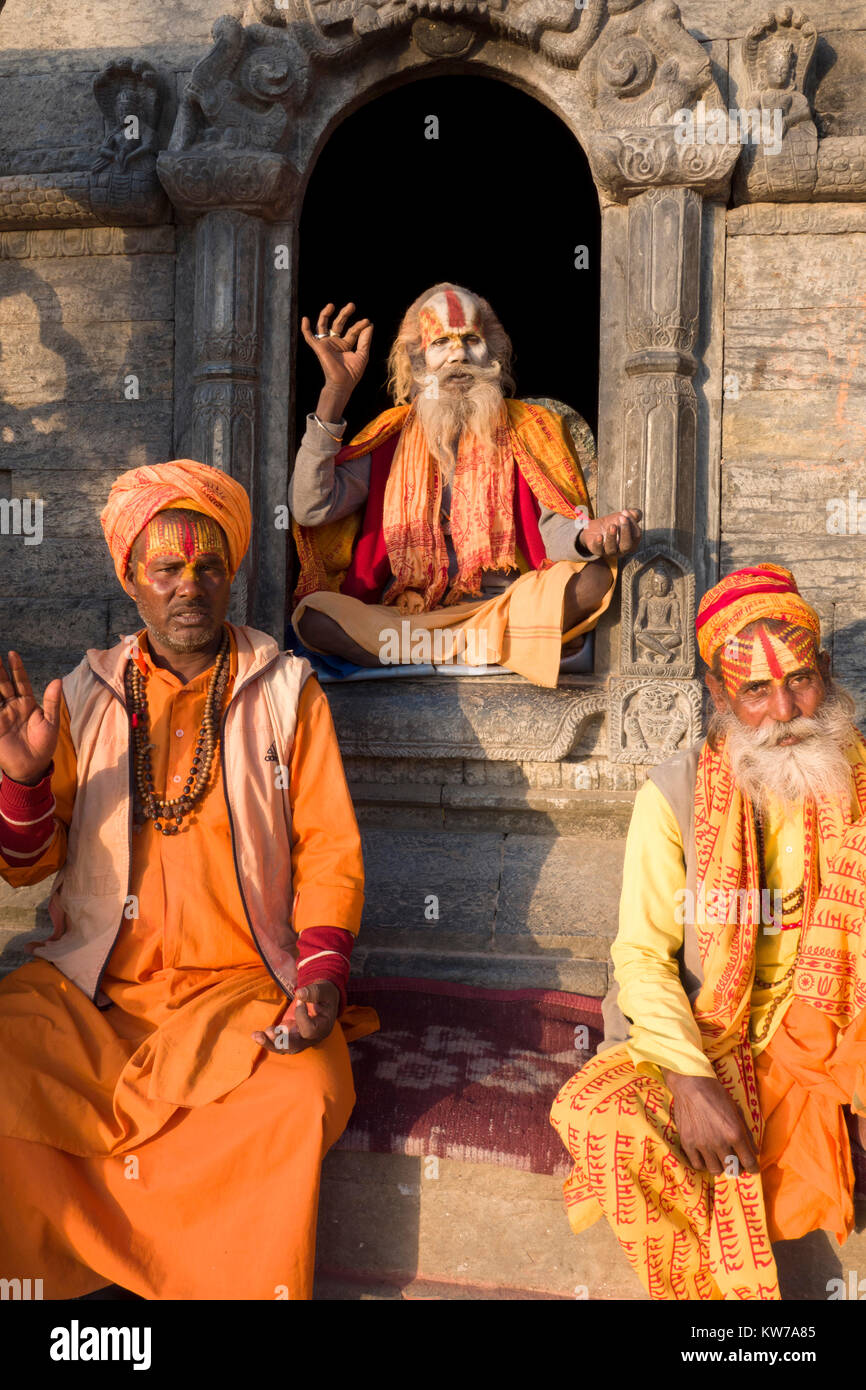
(711, 1121)
(170, 1070)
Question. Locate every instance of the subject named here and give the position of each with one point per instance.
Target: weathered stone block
(114, 437)
(403, 872)
(495, 970)
(108, 289)
(54, 567)
(567, 887)
(475, 1224)
(26, 623)
(92, 363)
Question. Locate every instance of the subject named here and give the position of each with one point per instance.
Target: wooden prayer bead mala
(159, 809)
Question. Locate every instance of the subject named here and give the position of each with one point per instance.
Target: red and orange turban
(137, 496)
(747, 596)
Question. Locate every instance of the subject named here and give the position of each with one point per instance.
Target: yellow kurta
(154, 1144)
(689, 1235)
(665, 1033)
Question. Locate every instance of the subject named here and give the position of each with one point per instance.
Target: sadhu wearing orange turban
(141, 494)
(170, 1066)
(711, 1122)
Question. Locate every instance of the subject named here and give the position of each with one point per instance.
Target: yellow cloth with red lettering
(687, 1235)
(140, 493)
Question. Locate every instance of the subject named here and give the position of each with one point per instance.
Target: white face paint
(460, 345)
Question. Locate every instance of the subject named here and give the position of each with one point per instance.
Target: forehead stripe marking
(456, 318)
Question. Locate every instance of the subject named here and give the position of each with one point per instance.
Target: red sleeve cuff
(26, 818)
(17, 796)
(323, 954)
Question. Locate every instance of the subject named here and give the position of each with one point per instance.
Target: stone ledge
(491, 969)
(605, 815)
(388, 1229)
(503, 718)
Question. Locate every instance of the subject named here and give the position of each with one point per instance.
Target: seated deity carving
(658, 625)
(457, 526)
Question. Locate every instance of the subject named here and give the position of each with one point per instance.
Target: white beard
(475, 407)
(815, 766)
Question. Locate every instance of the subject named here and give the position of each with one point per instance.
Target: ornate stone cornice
(638, 68)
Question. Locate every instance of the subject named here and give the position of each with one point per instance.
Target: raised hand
(710, 1126)
(343, 350)
(617, 534)
(28, 734)
(308, 1019)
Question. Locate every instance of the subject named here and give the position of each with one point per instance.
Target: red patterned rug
(467, 1073)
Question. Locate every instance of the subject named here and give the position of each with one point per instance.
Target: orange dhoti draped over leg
(220, 1203)
(687, 1234)
(520, 629)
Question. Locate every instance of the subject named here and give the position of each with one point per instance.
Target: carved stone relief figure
(124, 187)
(658, 625)
(651, 719)
(658, 615)
(782, 162)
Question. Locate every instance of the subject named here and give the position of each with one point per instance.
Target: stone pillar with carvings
(660, 410)
(227, 351)
(224, 167)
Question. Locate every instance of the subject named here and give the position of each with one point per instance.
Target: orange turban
(138, 495)
(766, 591)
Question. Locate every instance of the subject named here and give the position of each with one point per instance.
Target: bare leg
(584, 592)
(323, 634)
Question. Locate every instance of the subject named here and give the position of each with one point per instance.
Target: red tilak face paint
(173, 537)
(767, 653)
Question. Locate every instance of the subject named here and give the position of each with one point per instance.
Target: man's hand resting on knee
(709, 1124)
(308, 1019)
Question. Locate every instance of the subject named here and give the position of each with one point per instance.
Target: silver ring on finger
(321, 335)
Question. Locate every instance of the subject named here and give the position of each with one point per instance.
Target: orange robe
(154, 1144)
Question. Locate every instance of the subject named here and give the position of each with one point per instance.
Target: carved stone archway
(255, 113)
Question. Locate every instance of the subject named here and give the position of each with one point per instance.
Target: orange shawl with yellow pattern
(537, 440)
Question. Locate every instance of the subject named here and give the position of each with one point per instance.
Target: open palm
(28, 733)
(343, 350)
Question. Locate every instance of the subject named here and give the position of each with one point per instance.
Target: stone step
(472, 1229)
(397, 1227)
(506, 910)
(490, 907)
(520, 809)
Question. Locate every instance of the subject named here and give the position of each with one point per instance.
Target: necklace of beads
(791, 902)
(168, 814)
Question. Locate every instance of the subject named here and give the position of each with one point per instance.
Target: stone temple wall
(521, 846)
(794, 434)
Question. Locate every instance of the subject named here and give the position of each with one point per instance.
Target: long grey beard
(476, 408)
(816, 766)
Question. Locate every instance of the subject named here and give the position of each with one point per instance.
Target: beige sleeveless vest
(675, 779)
(92, 888)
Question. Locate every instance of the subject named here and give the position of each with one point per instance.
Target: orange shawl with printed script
(535, 439)
(831, 966)
(727, 863)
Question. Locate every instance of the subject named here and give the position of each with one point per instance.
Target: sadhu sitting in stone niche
(458, 522)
